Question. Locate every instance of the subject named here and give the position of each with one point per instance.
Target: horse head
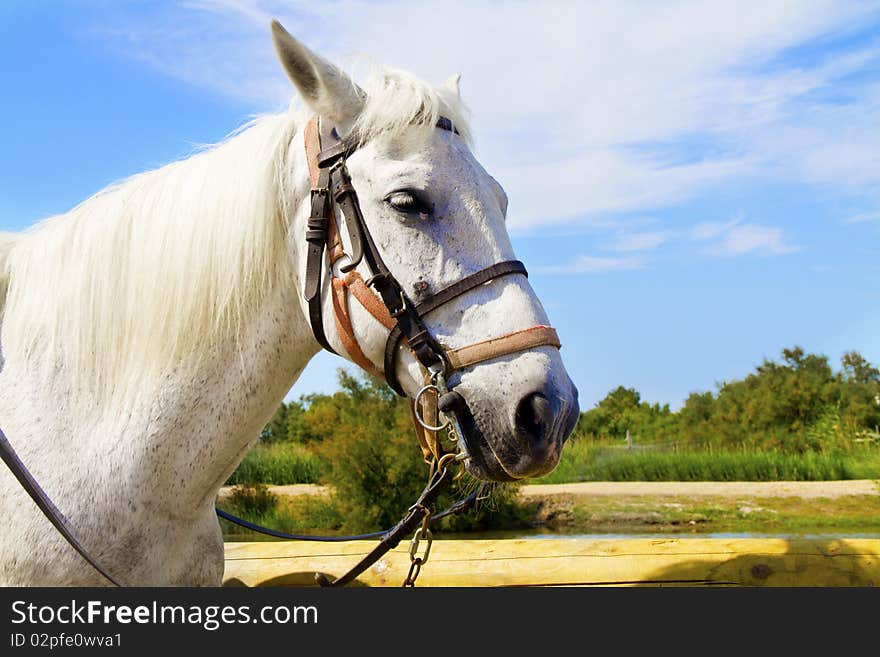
(434, 217)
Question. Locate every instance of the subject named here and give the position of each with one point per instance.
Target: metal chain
(423, 533)
(416, 562)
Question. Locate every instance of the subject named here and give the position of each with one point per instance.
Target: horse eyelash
(420, 205)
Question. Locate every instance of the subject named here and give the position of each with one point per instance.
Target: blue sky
(714, 168)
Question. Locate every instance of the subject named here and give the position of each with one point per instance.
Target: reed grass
(586, 461)
(279, 464)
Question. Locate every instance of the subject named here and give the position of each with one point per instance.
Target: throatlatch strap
(371, 303)
(345, 330)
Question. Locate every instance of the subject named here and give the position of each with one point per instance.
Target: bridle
(331, 187)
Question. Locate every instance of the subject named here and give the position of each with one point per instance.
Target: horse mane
(155, 268)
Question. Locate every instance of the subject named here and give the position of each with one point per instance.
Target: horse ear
(451, 85)
(326, 90)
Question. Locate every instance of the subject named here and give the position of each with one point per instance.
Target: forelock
(397, 101)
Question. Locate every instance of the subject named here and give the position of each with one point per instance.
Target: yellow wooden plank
(570, 562)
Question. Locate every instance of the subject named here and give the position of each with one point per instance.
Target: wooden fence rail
(571, 562)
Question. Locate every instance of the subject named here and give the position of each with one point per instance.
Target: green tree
(298, 426)
(623, 410)
(797, 404)
(856, 368)
(695, 417)
(276, 429)
(859, 383)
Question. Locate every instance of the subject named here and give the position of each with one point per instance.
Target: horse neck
(207, 420)
(227, 397)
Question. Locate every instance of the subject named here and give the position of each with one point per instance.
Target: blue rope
(293, 537)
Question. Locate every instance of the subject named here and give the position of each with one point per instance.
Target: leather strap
(316, 238)
(429, 442)
(345, 330)
(44, 503)
(399, 306)
(321, 230)
(442, 297)
(509, 343)
(439, 483)
(312, 140)
(346, 198)
(371, 303)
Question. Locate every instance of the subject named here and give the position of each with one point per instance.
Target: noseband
(389, 304)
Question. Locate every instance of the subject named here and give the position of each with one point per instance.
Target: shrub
(251, 500)
(376, 471)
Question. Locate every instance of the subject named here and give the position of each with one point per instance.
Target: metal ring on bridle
(418, 412)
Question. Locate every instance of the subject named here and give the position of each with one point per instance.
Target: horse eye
(409, 202)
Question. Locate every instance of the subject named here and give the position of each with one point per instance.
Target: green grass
(583, 460)
(279, 464)
(586, 461)
(677, 514)
(295, 514)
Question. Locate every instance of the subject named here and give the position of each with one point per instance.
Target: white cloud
(734, 238)
(863, 217)
(593, 264)
(645, 241)
(711, 229)
(603, 182)
(620, 107)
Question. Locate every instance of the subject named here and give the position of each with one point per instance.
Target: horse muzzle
(529, 446)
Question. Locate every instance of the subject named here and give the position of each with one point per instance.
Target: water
(814, 533)
(722, 535)
(539, 535)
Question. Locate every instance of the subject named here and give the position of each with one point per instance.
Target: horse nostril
(534, 417)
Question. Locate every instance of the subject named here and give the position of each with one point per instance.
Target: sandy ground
(291, 489)
(803, 489)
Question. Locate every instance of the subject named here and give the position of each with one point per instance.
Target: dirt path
(803, 489)
(290, 489)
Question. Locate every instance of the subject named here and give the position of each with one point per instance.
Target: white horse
(149, 333)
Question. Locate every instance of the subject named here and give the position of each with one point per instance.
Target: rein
(436, 406)
(45, 504)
